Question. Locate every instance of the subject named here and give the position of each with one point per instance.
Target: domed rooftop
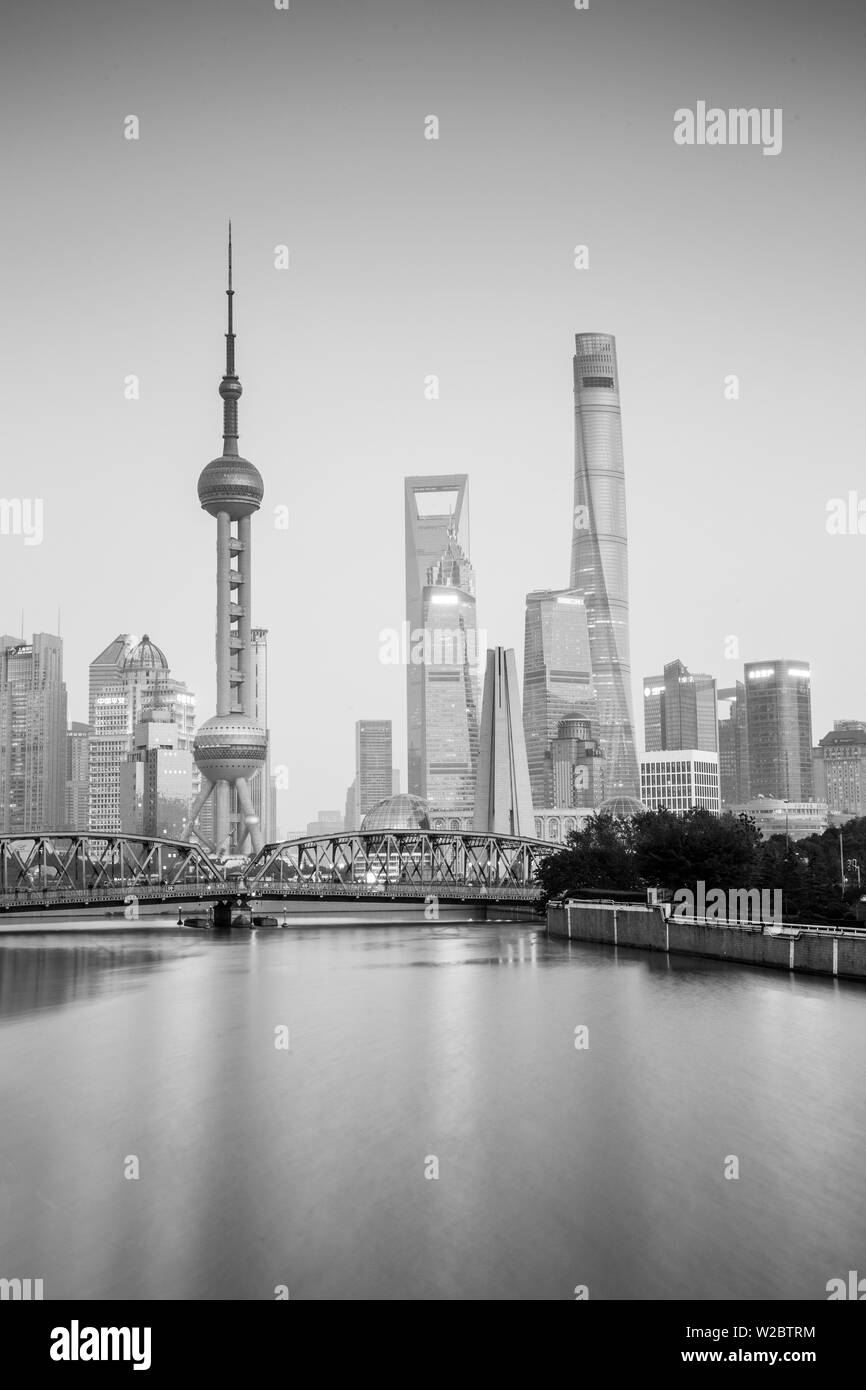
(231, 484)
(401, 812)
(145, 656)
(621, 807)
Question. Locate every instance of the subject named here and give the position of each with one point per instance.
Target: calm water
(305, 1167)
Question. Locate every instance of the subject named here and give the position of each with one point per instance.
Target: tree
(599, 855)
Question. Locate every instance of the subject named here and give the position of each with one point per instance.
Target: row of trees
(660, 849)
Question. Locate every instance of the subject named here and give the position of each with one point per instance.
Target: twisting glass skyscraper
(599, 559)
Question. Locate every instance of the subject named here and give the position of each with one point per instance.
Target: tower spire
(230, 387)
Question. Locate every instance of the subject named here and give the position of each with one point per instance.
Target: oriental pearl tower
(231, 746)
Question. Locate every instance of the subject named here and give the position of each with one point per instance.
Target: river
(286, 1099)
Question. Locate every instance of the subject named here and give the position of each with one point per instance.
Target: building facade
(680, 710)
(678, 779)
(374, 775)
(578, 766)
(442, 681)
(599, 557)
(32, 734)
(77, 773)
(842, 755)
(503, 798)
(779, 720)
(128, 680)
(774, 816)
(557, 679)
(733, 745)
(158, 780)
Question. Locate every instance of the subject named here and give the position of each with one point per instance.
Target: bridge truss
(401, 863)
(68, 870)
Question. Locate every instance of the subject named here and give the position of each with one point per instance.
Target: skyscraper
(232, 746)
(733, 745)
(578, 766)
(557, 680)
(599, 556)
(654, 713)
(443, 666)
(156, 780)
(779, 719)
(32, 734)
(127, 680)
(77, 776)
(680, 710)
(373, 773)
(503, 800)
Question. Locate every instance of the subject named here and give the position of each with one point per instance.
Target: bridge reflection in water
(69, 870)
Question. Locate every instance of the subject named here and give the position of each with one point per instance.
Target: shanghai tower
(599, 553)
(232, 745)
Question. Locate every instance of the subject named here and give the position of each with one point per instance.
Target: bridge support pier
(222, 915)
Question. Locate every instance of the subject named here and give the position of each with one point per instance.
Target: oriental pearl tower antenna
(231, 747)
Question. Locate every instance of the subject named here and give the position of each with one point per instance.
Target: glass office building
(443, 666)
(779, 729)
(599, 559)
(557, 682)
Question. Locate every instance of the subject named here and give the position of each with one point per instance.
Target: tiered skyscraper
(599, 558)
(443, 665)
(232, 746)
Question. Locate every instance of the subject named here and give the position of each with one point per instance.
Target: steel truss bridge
(66, 870)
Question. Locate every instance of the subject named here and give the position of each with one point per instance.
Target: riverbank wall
(648, 929)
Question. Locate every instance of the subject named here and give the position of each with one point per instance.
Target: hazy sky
(410, 257)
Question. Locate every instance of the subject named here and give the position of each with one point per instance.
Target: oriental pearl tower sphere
(232, 746)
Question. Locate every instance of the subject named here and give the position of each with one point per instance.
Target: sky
(410, 257)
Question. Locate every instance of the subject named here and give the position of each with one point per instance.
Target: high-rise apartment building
(373, 763)
(127, 680)
(443, 666)
(77, 784)
(32, 734)
(680, 710)
(779, 729)
(599, 557)
(557, 679)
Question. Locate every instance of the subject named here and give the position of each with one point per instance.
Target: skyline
(337, 348)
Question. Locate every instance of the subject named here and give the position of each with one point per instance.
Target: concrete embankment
(648, 929)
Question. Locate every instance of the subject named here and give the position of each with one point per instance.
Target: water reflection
(305, 1166)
